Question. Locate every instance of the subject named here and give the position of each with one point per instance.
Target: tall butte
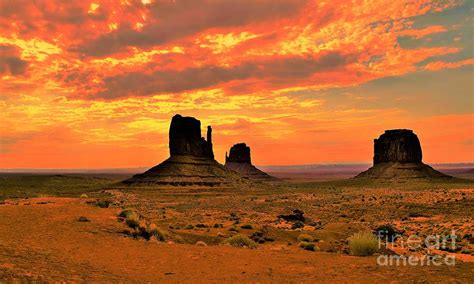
(191, 161)
(398, 155)
(239, 160)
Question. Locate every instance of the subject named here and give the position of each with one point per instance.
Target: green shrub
(127, 212)
(103, 203)
(240, 240)
(307, 246)
(247, 227)
(297, 225)
(305, 238)
(363, 244)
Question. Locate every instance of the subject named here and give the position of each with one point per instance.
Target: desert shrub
(307, 246)
(363, 244)
(143, 230)
(84, 195)
(297, 225)
(133, 220)
(103, 203)
(261, 237)
(201, 244)
(305, 238)
(126, 212)
(156, 232)
(247, 227)
(189, 227)
(240, 240)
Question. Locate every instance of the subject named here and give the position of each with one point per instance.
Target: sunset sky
(94, 84)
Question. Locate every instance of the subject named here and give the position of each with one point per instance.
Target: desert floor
(42, 238)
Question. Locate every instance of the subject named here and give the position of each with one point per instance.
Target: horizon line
(267, 166)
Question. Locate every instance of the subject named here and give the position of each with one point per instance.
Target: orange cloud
(439, 65)
(104, 77)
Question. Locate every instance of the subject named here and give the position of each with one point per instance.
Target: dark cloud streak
(172, 20)
(174, 81)
(10, 61)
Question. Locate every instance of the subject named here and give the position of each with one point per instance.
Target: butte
(191, 162)
(239, 160)
(398, 155)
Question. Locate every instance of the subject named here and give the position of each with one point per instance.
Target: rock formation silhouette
(191, 161)
(398, 154)
(239, 160)
(399, 145)
(239, 153)
(185, 138)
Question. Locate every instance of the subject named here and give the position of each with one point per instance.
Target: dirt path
(46, 242)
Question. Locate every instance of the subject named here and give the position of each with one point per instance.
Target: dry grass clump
(363, 244)
(157, 233)
(308, 246)
(305, 238)
(240, 240)
(132, 220)
(140, 227)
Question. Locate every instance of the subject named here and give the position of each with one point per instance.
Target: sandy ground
(42, 239)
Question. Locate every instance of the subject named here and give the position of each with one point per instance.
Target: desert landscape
(44, 236)
(191, 219)
(236, 141)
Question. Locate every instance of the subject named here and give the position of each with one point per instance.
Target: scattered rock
(387, 233)
(297, 215)
(247, 227)
(297, 225)
(83, 219)
(201, 244)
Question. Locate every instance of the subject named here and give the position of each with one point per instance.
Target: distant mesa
(191, 161)
(239, 160)
(398, 155)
